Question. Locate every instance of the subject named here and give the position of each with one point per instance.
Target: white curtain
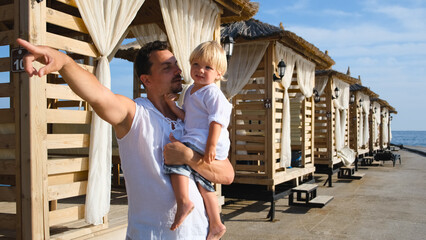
(243, 63)
(107, 21)
(305, 76)
(148, 33)
(341, 105)
(385, 127)
(365, 109)
(376, 122)
(320, 84)
(289, 57)
(188, 23)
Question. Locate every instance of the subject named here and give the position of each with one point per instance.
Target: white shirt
(202, 107)
(152, 204)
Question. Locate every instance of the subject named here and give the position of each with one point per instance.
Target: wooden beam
(6, 12)
(7, 166)
(66, 215)
(68, 178)
(231, 6)
(55, 91)
(66, 190)
(7, 116)
(6, 37)
(68, 2)
(7, 141)
(66, 20)
(71, 45)
(6, 90)
(68, 116)
(7, 194)
(67, 165)
(59, 141)
(8, 221)
(4, 64)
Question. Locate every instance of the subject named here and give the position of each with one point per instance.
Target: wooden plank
(6, 37)
(55, 91)
(7, 116)
(4, 64)
(253, 168)
(58, 141)
(64, 104)
(7, 194)
(6, 12)
(68, 178)
(250, 96)
(68, 2)
(71, 45)
(256, 86)
(65, 20)
(67, 165)
(250, 157)
(66, 215)
(8, 221)
(7, 141)
(250, 138)
(7, 167)
(6, 90)
(66, 190)
(68, 116)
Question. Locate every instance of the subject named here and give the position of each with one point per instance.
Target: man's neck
(161, 105)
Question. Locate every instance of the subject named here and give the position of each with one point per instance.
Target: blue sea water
(409, 138)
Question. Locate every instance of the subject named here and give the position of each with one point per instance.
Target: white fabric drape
(289, 57)
(188, 23)
(243, 63)
(341, 105)
(385, 127)
(364, 113)
(106, 22)
(305, 76)
(320, 84)
(146, 33)
(376, 122)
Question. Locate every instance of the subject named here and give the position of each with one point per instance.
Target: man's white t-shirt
(152, 204)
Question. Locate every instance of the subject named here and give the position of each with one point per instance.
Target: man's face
(165, 74)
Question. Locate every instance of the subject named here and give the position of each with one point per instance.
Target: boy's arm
(214, 133)
(115, 109)
(176, 153)
(170, 100)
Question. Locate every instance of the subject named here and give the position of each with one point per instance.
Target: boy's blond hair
(212, 53)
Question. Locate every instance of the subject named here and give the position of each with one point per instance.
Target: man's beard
(178, 88)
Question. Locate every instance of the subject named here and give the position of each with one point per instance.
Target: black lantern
(360, 102)
(281, 71)
(228, 46)
(352, 99)
(390, 118)
(316, 96)
(337, 92)
(375, 109)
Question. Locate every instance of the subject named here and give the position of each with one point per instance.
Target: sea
(409, 138)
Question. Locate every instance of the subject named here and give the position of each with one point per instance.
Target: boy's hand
(170, 98)
(210, 154)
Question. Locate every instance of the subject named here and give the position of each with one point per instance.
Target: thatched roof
(232, 10)
(358, 87)
(342, 76)
(384, 103)
(253, 29)
(128, 51)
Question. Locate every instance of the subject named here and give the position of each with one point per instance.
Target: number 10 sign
(17, 55)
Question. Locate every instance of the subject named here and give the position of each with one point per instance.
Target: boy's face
(165, 74)
(203, 73)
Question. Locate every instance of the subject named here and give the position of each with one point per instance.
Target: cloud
(339, 13)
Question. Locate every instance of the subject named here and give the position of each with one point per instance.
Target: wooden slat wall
(9, 167)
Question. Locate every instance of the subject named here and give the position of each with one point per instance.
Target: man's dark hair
(142, 65)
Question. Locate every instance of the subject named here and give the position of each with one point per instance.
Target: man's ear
(145, 79)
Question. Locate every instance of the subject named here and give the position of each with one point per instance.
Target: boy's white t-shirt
(202, 107)
(151, 201)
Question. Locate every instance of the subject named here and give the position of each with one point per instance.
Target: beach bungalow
(44, 191)
(332, 149)
(359, 114)
(273, 110)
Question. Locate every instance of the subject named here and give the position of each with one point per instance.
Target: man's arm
(175, 153)
(115, 109)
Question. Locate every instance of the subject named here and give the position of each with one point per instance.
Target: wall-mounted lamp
(281, 71)
(390, 118)
(352, 99)
(228, 46)
(375, 109)
(317, 98)
(360, 103)
(336, 93)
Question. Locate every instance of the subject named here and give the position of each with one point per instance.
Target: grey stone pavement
(387, 203)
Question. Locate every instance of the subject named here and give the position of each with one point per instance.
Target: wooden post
(33, 130)
(270, 113)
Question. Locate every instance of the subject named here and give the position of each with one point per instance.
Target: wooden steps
(306, 195)
(349, 173)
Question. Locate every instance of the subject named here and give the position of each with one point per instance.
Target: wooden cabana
(44, 129)
(332, 149)
(385, 130)
(272, 120)
(359, 114)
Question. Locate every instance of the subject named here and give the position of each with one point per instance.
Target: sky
(383, 41)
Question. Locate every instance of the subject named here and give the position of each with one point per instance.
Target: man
(142, 127)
